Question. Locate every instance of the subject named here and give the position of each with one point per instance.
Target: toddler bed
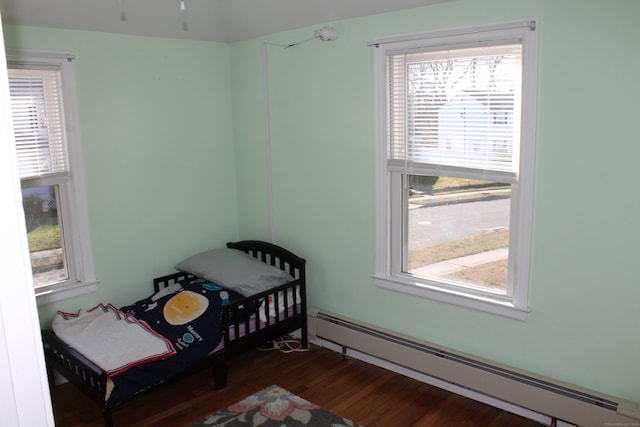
(220, 303)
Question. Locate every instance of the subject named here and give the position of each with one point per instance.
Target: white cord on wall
(324, 34)
(267, 138)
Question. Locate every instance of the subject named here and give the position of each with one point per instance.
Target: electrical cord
(284, 345)
(301, 42)
(324, 34)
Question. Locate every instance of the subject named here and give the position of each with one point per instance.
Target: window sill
(476, 302)
(62, 291)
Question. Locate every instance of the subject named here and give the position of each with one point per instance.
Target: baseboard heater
(555, 399)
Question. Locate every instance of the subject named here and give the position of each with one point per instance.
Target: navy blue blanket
(189, 314)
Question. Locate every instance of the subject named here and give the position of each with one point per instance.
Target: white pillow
(234, 270)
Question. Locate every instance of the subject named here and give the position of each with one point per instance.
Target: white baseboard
(496, 403)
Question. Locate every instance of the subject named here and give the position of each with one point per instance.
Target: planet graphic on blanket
(185, 307)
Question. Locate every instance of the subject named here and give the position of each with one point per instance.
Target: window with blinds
(42, 91)
(456, 134)
(38, 121)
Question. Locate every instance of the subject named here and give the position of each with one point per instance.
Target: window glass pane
(42, 216)
(458, 231)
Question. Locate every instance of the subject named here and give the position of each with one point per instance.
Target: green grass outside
(43, 238)
(458, 248)
(492, 274)
(446, 184)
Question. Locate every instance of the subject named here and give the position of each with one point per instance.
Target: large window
(456, 114)
(41, 86)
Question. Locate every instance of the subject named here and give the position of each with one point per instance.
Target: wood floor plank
(366, 394)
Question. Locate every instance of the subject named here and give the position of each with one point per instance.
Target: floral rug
(274, 407)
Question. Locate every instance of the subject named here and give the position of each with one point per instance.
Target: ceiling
(211, 20)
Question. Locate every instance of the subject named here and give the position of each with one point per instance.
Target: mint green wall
(158, 152)
(583, 327)
(160, 120)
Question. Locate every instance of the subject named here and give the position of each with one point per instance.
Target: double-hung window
(43, 106)
(456, 114)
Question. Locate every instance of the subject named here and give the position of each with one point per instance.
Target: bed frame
(93, 380)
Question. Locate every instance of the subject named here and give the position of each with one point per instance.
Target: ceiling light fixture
(325, 34)
(183, 6)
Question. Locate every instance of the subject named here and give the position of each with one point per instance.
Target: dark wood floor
(366, 394)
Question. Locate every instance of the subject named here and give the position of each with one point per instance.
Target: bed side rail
(243, 327)
(76, 368)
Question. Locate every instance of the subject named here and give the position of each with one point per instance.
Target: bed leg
(220, 370)
(108, 419)
(305, 336)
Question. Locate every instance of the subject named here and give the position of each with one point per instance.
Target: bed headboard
(274, 255)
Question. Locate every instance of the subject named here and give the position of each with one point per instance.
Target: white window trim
(517, 306)
(78, 242)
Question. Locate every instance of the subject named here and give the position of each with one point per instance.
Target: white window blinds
(38, 122)
(455, 107)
